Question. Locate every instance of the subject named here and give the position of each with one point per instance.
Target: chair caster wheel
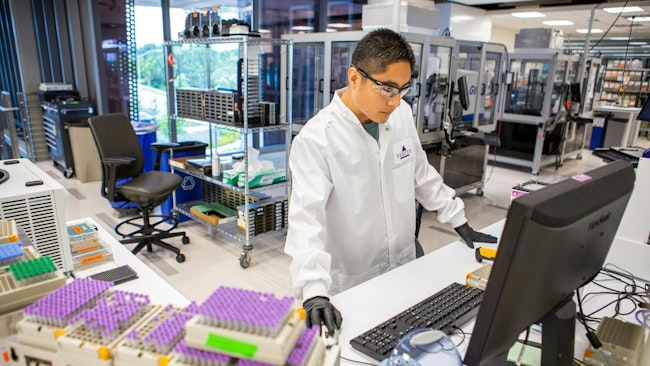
(180, 258)
(185, 240)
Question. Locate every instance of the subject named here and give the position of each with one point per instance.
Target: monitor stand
(558, 335)
(558, 338)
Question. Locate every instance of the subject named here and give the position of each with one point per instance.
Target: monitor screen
(644, 115)
(554, 241)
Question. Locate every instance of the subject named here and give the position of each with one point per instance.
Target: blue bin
(190, 189)
(598, 132)
(147, 135)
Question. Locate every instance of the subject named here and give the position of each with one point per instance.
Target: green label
(230, 345)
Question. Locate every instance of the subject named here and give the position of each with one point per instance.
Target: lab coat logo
(403, 151)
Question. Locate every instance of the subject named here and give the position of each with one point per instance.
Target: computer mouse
(424, 347)
(330, 339)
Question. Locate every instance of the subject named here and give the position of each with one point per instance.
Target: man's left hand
(470, 236)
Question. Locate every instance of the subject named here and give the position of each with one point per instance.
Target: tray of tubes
(88, 322)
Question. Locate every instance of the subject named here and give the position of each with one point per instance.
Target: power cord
(357, 361)
(463, 333)
(643, 317)
(591, 334)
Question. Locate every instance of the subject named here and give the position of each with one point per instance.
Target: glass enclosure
(482, 65)
(308, 78)
(526, 91)
(341, 59)
(315, 82)
(437, 87)
(413, 95)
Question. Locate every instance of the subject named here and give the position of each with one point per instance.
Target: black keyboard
(449, 308)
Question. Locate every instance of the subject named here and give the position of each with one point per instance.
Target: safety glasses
(384, 89)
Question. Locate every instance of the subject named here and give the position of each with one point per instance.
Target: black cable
(581, 315)
(610, 26)
(356, 361)
(632, 294)
(463, 333)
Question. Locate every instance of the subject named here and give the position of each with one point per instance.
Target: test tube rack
(88, 322)
(31, 284)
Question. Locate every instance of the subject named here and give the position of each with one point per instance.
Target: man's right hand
(321, 311)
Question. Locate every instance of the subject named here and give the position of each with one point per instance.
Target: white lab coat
(352, 205)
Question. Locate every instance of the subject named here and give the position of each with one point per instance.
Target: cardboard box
(230, 176)
(525, 188)
(182, 162)
(212, 212)
(264, 178)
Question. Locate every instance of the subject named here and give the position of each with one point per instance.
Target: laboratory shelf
(219, 182)
(253, 107)
(227, 225)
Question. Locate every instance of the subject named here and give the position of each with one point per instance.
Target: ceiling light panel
(639, 19)
(557, 22)
(593, 31)
(627, 9)
(528, 14)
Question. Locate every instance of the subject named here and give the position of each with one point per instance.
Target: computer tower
(37, 202)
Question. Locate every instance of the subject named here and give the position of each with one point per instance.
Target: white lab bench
(148, 281)
(622, 127)
(372, 302)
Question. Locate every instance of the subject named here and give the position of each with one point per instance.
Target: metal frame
(543, 121)
(229, 227)
(497, 87)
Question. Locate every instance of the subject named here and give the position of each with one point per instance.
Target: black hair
(380, 48)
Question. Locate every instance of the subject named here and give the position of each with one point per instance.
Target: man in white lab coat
(357, 170)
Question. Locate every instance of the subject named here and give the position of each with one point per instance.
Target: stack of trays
(227, 197)
(266, 215)
(86, 246)
(190, 103)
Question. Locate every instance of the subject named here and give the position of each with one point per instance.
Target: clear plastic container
(8, 231)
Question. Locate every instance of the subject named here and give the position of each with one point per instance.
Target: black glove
(470, 236)
(321, 311)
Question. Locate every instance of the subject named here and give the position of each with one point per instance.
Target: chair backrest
(115, 137)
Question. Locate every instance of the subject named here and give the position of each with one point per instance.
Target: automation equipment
(37, 203)
(537, 127)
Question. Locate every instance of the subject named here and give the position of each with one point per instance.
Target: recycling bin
(146, 133)
(190, 189)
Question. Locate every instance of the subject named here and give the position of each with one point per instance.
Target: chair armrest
(110, 168)
(160, 147)
(118, 160)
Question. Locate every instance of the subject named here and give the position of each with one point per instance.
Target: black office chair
(123, 161)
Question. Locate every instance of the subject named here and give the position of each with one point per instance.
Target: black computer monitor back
(554, 241)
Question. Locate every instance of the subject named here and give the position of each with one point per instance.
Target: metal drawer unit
(56, 117)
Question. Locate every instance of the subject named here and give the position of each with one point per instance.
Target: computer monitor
(554, 241)
(644, 115)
